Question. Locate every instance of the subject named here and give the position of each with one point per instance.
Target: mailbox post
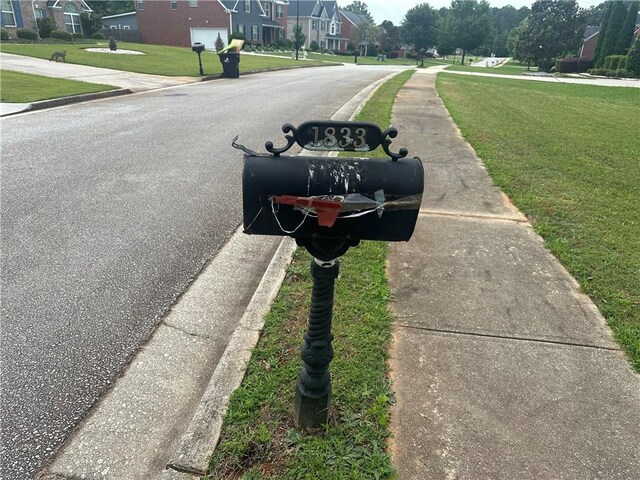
(198, 48)
(328, 205)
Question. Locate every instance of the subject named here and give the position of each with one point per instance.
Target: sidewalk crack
(487, 216)
(507, 337)
(165, 323)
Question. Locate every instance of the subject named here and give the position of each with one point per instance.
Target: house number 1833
(340, 137)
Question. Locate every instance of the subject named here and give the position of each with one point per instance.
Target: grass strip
(258, 438)
(16, 87)
(567, 155)
(157, 59)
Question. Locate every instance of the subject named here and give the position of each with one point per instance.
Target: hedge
(27, 34)
(61, 35)
(4, 35)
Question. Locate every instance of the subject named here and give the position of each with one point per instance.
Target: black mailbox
(198, 47)
(324, 197)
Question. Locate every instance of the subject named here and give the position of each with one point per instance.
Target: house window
(333, 29)
(174, 4)
(113, 27)
(39, 13)
(279, 13)
(8, 17)
(193, 3)
(71, 18)
(241, 29)
(254, 32)
(314, 25)
(140, 5)
(322, 26)
(126, 27)
(247, 6)
(267, 9)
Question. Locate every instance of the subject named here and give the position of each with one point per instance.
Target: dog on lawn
(57, 55)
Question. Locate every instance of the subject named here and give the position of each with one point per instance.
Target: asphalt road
(109, 209)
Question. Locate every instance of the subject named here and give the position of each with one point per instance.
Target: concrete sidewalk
(502, 369)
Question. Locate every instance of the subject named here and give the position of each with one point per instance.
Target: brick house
(182, 22)
(352, 23)
(18, 14)
(185, 22)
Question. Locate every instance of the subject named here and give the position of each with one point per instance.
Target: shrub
(46, 26)
(633, 58)
(98, 36)
(218, 44)
(622, 73)
(393, 54)
(77, 36)
(313, 46)
(27, 34)
(61, 35)
(113, 46)
(584, 63)
(4, 35)
(623, 62)
(237, 35)
(567, 65)
(612, 62)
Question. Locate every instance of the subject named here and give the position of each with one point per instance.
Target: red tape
(327, 210)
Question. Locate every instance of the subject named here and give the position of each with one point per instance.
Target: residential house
(121, 21)
(589, 42)
(122, 27)
(354, 27)
(261, 22)
(320, 21)
(23, 14)
(182, 22)
(185, 22)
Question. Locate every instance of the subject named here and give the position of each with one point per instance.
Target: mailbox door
(400, 183)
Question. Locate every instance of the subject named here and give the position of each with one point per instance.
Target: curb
(203, 432)
(57, 102)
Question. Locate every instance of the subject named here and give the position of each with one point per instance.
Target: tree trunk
(463, 54)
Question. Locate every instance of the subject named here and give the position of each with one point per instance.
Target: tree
(525, 44)
(602, 33)
(467, 23)
(553, 29)
(594, 15)
(91, 23)
(110, 7)
(610, 36)
(504, 20)
(360, 8)
(419, 26)
(625, 37)
(389, 36)
(633, 58)
(298, 37)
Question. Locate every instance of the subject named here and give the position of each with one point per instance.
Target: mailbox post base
(313, 390)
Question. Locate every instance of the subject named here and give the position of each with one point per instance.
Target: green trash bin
(230, 64)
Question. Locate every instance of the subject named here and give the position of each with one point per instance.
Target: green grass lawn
(18, 87)
(158, 59)
(568, 156)
(258, 438)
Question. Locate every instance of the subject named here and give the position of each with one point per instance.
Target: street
(109, 210)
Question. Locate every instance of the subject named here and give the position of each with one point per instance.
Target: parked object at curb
(230, 58)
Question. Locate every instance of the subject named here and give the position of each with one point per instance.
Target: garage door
(208, 36)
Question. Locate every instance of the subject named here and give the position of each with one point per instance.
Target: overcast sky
(394, 10)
